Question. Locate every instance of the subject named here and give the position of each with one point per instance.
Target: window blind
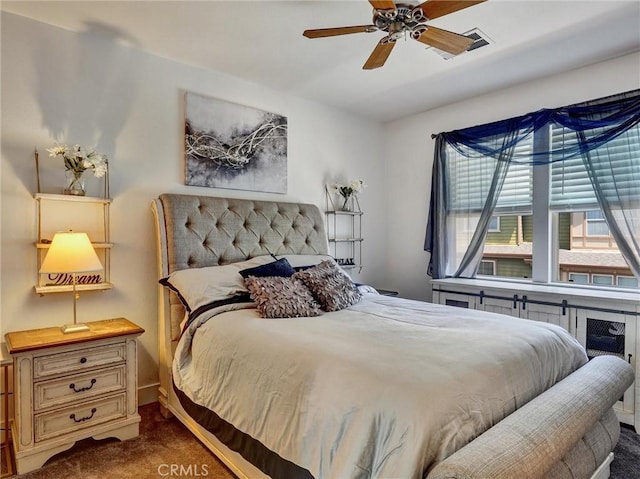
(571, 188)
(469, 180)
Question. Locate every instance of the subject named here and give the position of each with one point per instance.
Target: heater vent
(480, 39)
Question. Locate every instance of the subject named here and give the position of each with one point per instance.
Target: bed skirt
(251, 449)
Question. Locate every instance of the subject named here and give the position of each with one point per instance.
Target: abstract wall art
(233, 146)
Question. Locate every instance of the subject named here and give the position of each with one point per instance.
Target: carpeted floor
(162, 445)
(626, 464)
(166, 449)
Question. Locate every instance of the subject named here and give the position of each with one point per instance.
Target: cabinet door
(615, 334)
(510, 307)
(458, 300)
(546, 313)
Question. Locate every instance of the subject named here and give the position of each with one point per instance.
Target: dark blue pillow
(281, 267)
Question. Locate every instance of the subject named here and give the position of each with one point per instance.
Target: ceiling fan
(400, 20)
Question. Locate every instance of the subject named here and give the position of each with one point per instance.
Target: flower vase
(74, 184)
(347, 204)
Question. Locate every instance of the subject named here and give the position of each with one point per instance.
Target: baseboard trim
(148, 394)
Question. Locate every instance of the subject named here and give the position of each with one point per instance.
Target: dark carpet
(165, 449)
(626, 462)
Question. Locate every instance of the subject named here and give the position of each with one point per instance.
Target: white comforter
(386, 388)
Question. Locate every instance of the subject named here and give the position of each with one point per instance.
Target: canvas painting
(233, 146)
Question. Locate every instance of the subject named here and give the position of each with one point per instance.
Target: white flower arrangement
(78, 159)
(350, 189)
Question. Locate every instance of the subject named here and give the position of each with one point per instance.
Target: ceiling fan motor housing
(399, 21)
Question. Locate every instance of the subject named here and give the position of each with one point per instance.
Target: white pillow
(199, 286)
(299, 260)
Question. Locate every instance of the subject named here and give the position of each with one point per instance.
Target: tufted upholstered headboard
(198, 231)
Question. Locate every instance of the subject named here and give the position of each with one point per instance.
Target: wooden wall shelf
(87, 214)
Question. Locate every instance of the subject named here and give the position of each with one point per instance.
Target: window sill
(523, 286)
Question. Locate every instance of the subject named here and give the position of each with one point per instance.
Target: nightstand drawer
(78, 360)
(78, 387)
(80, 416)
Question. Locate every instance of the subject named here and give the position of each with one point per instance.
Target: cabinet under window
(605, 324)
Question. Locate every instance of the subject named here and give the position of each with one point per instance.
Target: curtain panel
(496, 147)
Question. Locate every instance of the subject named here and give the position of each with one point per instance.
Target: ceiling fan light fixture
(417, 31)
(402, 20)
(390, 14)
(418, 16)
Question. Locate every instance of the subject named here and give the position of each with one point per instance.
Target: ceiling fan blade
(382, 4)
(379, 55)
(332, 32)
(437, 8)
(445, 40)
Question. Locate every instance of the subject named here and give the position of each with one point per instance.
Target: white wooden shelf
(345, 240)
(67, 288)
(95, 245)
(72, 198)
(88, 214)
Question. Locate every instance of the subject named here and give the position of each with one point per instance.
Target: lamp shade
(70, 253)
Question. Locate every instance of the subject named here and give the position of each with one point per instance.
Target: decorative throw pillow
(280, 297)
(279, 267)
(199, 286)
(331, 287)
(305, 261)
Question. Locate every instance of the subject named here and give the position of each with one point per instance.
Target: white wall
(90, 89)
(409, 143)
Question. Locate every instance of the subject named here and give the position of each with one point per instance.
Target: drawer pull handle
(73, 386)
(73, 416)
(83, 360)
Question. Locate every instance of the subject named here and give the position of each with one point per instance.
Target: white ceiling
(262, 41)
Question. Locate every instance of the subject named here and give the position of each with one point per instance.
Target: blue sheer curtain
(595, 125)
(458, 237)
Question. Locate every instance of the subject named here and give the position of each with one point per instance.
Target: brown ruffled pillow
(331, 287)
(281, 297)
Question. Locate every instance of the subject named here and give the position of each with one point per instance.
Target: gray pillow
(281, 297)
(331, 287)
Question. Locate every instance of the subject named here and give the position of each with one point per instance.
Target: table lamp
(71, 253)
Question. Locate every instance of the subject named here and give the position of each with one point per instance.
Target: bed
(364, 385)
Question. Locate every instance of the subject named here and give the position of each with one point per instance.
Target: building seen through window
(586, 251)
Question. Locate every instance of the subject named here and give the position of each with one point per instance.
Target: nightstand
(69, 387)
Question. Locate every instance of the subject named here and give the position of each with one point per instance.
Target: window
(602, 279)
(595, 223)
(579, 278)
(581, 236)
(586, 240)
(487, 268)
(627, 282)
(536, 177)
